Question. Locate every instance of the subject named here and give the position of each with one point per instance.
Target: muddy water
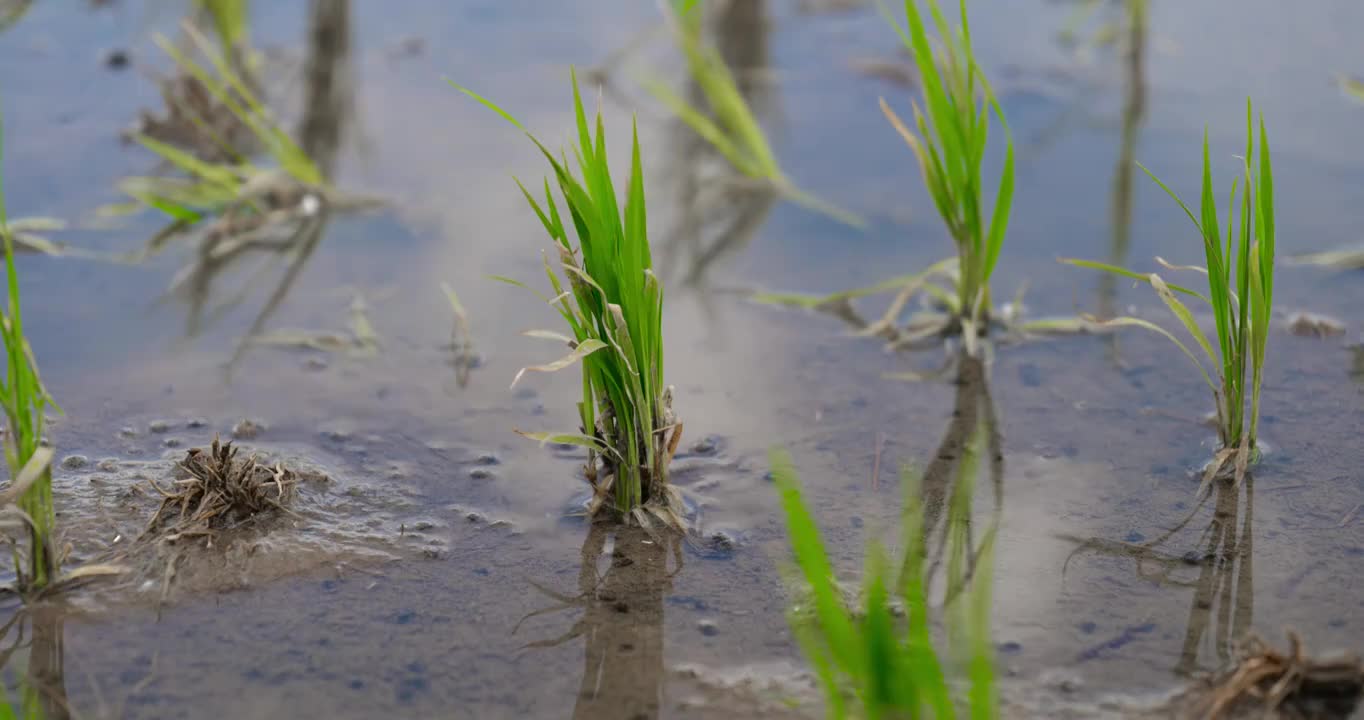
(435, 574)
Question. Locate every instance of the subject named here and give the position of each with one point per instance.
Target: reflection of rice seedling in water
(1222, 601)
(1240, 273)
(41, 692)
(28, 499)
(864, 654)
(614, 309)
(727, 122)
(621, 622)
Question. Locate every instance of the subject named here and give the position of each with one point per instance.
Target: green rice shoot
(953, 128)
(612, 305)
(231, 22)
(871, 663)
(241, 194)
(1240, 273)
(948, 137)
(25, 402)
(728, 123)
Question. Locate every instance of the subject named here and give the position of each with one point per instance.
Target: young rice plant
(727, 122)
(1240, 273)
(613, 307)
(866, 657)
(948, 137)
(27, 501)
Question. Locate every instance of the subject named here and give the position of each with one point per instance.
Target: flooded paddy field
(433, 563)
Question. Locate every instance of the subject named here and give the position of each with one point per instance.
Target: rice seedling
(613, 306)
(26, 503)
(232, 208)
(719, 209)
(949, 138)
(880, 659)
(724, 117)
(233, 204)
(1240, 275)
(230, 20)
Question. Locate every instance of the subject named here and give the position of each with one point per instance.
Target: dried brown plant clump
(216, 489)
(1269, 683)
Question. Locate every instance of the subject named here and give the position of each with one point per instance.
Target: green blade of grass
(1117, 270)
(808, 550)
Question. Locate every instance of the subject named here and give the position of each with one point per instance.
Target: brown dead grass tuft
(1285, 685)
(216, 489)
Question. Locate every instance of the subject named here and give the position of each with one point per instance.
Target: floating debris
(896, 72)
(464, 357)
(1306, 324)
(216, 489)
(822, 7)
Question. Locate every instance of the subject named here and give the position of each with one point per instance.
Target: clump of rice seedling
(948, 138)
(243, 201)
(724, 119)
(880, 658)
(613, 306)
(28, 498)
(232, 209)
(1240, 273)
(216, 489)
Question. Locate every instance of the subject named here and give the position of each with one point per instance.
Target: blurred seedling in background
(717, 208)
(195, 119)
(724, 118)
(233, 210)
(949, 145)
(1240, 275)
